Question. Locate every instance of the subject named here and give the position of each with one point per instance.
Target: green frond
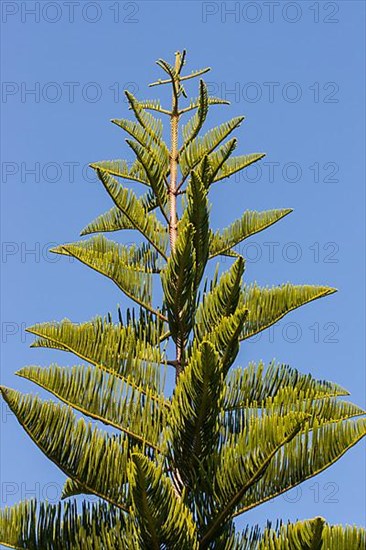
(204, 170)
(82, 452)
(194, 411)
(308, 397)
(115, 220)
(147, 139)
(194, 125)
(174, 78)
(112, 220)
(105, 398)
(153, 105)
(339, 537)
(156, 165)
(243, 463)
(220, 317)
(314, 534)
(196, 73)
(115, 349)
(178, 284)
(205, 145)
(144, 324)
(181, 59)
(73, 488)
(100, 251)
(198, 215)
(255, 384)
(135, 210)
(121, 169)
(153, 126)
(161, 517)
(226, 336)
(236, 164)
(304, 534)
(194, 103)
(229, 539)
(32, 526)
(250, 223)
(268, 305)
(130, 268)
(173, 72)
(314, 449)
(220, 302)
(150, 202)
(218, 158)
(243, 459)
(170, 71)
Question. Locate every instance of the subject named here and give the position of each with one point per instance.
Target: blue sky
(296, 71)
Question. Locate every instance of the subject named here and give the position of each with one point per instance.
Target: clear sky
(296, 71)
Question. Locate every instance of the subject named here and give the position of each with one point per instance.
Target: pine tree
(174, 471)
